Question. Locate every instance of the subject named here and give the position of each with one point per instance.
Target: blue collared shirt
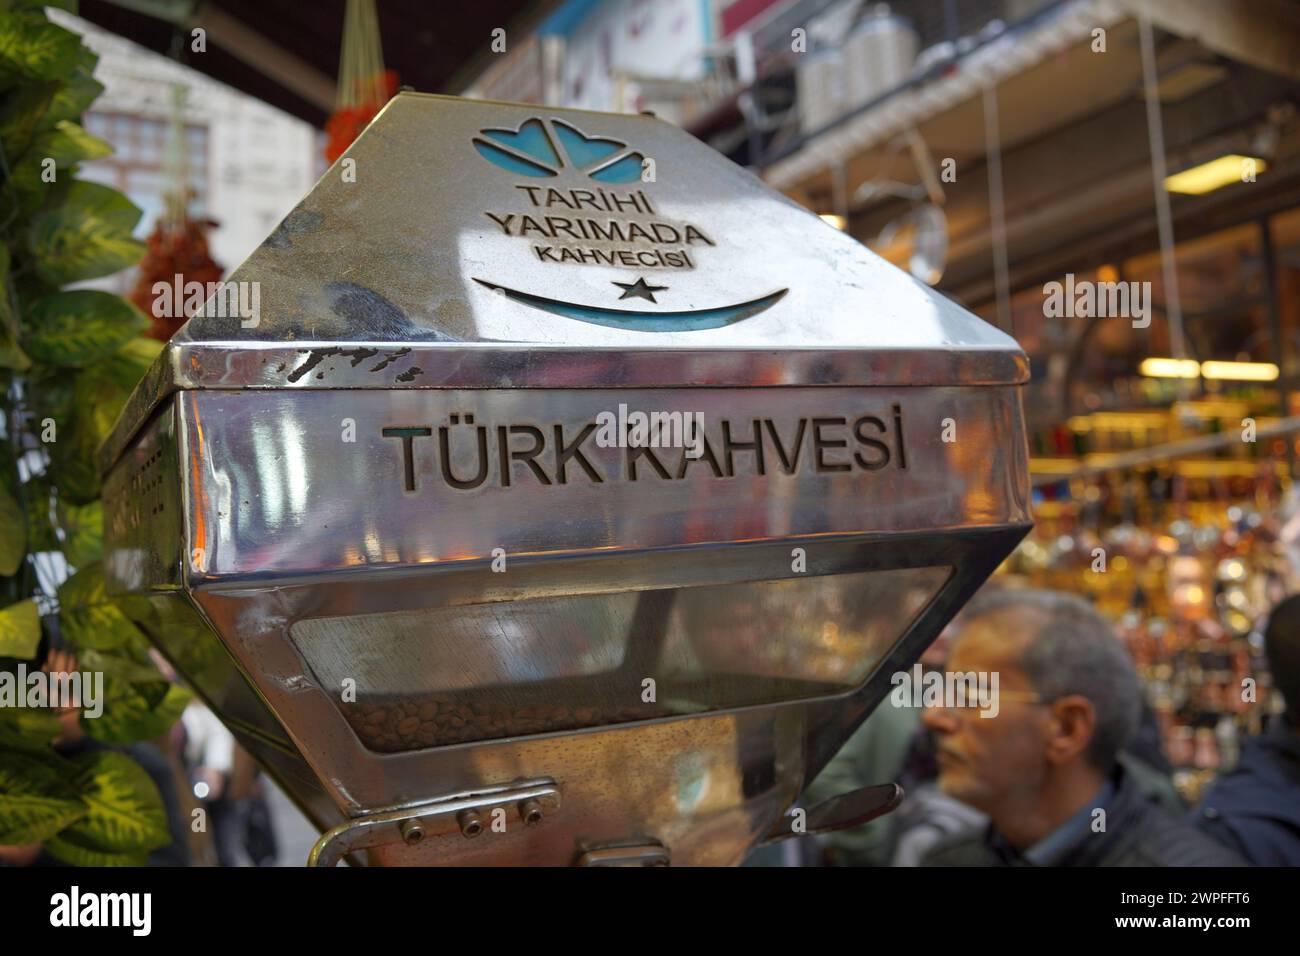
(1055, 846)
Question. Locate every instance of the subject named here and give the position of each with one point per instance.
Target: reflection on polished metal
(585, 509)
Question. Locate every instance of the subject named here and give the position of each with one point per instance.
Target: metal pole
(1164, 219)
(997, 208)
(840, 192)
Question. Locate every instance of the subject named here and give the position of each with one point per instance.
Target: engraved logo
(541, 149)
(579, 215)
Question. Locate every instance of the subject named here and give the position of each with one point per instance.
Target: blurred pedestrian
(1255, 808)
(210, 756)
(1042, 763)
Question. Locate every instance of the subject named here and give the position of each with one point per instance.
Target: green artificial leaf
(32, 107)
(83, 530)
(71, 440)
(101, 391)
(76, 851)
(13, 534)
(69, 5)
(40, 529)
(129, 664)
(11, 356)
(153, 693)
(137, 711)
(84, 407)
(85, 235)
(127, 366)
(78, 90)
(52, 157)
(75, 470)
(87, 617)
(28, 730)
(24, 111)
(87, 413)
(33, 48)
(68, 144)
(81, 327)
(8, 314)
(37, 799)
(8, 466)
(20, 630)
(124, 809)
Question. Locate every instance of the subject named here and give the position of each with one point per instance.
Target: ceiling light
(1241, 371)
(1170, 368)
(1215, 174)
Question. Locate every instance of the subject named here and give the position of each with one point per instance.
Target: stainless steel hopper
(560, 493)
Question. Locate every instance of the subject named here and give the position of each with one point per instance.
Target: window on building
(136, 168)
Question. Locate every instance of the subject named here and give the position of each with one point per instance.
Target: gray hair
(1075, 651)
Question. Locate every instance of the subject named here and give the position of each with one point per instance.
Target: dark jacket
(1139, 832)
(1255, 809)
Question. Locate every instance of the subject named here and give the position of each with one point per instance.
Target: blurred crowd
(1067, 769)
(1070, 771)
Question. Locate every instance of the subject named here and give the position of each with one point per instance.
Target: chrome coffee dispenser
(569, 496)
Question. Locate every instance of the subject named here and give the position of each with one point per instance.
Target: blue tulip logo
(541, 149)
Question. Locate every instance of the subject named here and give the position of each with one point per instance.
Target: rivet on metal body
(530, 811)
(471, 824)
(412, 832)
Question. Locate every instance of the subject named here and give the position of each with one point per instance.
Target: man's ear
(1073, 722)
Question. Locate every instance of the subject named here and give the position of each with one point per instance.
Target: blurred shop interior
(992, 148)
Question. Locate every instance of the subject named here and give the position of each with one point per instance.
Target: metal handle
(443, 816)
(847, 810)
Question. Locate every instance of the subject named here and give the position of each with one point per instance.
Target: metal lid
(473, 244)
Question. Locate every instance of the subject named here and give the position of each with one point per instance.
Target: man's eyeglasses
(965, 697)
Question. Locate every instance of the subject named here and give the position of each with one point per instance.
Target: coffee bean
(416, 723)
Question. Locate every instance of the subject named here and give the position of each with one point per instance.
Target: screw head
(530, 811)
(412, 832)
(471, 824)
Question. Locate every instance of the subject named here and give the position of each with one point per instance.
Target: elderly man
(1045, 769)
